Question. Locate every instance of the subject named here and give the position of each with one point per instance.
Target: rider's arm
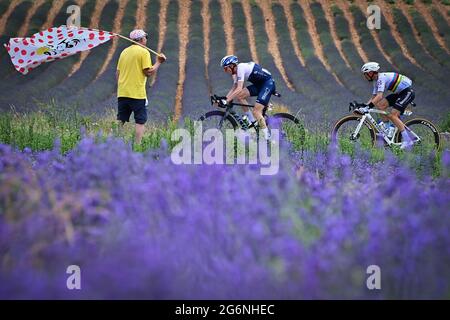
(238, 87)
(376, 98)
(231, 90)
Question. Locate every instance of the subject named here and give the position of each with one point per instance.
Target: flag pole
(139, 44)
(125, 38)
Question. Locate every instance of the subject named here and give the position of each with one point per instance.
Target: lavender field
(139, 226)
(75, 191)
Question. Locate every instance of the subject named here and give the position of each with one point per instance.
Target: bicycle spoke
(348, 138)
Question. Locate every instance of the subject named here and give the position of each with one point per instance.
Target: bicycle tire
(218, 113)
(357, 118)
(424, 123)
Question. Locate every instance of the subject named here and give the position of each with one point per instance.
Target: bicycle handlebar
(355, 105)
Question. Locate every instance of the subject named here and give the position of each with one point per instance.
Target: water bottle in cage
(391, 130)
(383, 127)
(246, 121)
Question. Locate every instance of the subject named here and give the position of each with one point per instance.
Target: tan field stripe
(117, 28)
(363, 7)
(162, 30)
(387, 12)
(206, 17)
(227, 16)
(183, 31)
(266, 7)
(405, 10)
(54, 10)
(95, 19)
(442, 9)
(292, 31)
(6, 15)
(24, 28)
(310, 21)
(250, 30)
(141, 14)
(424, 10)
(344, 6)
(330, 19)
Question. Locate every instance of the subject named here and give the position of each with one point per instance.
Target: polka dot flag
(53, 44)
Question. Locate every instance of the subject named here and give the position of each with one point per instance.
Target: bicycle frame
(389, 141)
(229, 111)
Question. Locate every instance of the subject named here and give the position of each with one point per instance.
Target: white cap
(137, 34)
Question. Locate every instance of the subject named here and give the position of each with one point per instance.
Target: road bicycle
(289, 126)
(360, 128)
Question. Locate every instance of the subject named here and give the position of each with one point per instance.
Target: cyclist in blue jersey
(263, 86)
(402, 94)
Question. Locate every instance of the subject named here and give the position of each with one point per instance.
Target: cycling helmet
(370, 66)
(227, 60)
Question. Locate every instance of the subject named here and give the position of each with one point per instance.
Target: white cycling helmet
(370, 66)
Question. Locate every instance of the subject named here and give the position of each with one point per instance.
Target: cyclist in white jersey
(263, 86)
(402, 94)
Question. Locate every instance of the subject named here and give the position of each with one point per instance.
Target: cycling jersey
(252, 72)
(391, 81)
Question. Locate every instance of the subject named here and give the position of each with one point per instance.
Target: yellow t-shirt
(132, 80)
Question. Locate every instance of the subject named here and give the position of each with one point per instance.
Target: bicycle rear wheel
(344, 133)
(289, 126)
(424, 134)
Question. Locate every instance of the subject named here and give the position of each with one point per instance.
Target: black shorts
(400, 101)
(263, 90)
(125, 106)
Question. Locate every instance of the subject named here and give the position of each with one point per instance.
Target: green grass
(38, 131)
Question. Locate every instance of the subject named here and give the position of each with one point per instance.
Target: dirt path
(442, 9)
(345, 7)
(206, 18)
(363, 6)
(250, 30)
(326, 6)
(6, 15)
(141, 14)
(310, 21)
(117, 28)
(95, 19)
(24, 28)
(54, 10)
(162, 27)
(269, 22)
(183, 31)
(388, 15)
(292, 31)
(405, 10)
(227, 16)
(424, 10)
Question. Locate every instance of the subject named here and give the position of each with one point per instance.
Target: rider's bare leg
(394, 116)
(383, 104)
(242, 97)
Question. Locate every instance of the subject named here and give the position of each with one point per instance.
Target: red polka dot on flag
(16, 49)
(23, 52)
(20, 61)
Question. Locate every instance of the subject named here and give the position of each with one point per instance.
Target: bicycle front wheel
(216, 120)
(346, 134)
(424, 134)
